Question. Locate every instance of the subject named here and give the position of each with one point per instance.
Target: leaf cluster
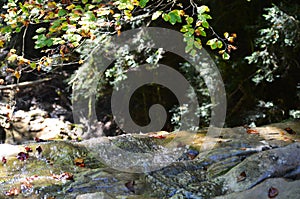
(276, 45)
(76, 26)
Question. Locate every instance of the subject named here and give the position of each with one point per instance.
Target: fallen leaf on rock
(39, 140)
(32, 178)
(249, 130)
(26, 185)
(39, 149)
(273, 192)
(241, 177)
(63, 176)
(67, 176)
(290, 131)
(130, 186)
(28, 149)
(4, 160)
(79, 162)
(22, 156)
(159, 135)
(282, 133)
(13, 192)
(252, 131)
(286, 139)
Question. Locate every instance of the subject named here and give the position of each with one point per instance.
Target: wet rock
(286, 189)
(8, 150)
(25, 126)
(216, 172)
(239, 163)
(261, 166)
(98, 195)
(108, 181)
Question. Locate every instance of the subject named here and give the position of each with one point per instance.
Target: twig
(23, 84)
(223, 40)
(23, 42)
(194, 5)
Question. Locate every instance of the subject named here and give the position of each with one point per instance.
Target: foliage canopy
(66, 26)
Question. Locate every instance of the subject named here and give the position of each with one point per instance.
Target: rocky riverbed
(46, 158)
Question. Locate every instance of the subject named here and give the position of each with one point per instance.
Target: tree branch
(23, 84)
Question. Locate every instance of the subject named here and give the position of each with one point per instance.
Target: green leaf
(36, 20)
(85, 1)
(188, 48)
(58, 41)
(173, 18)
(203, 33)
(185, 28)
(6, 29)
(206, 16)
(193, 52)
(143, 3)
(202, 9)
(225, 56)
(24, 9)
(40, 30)
(189, 20)
(62, 12)
(189, 40)
(41, 37)
(41, 41)
(226, 35)
(156, 15)
(198, 43)
(221, 52)
(128, 13)
(200, 31)
(18, 29)
(191, 31)
(49, 42)
(33, 65)
(90, 16)
(75, 38)
(205, 24)
(213, 46)
(211, 41)
(166, 17)
(38, 45)
(129, 6)
(122, 6)
(55, 24)
(75, 44)
(187, 34)
(64, 26)
(220, 44)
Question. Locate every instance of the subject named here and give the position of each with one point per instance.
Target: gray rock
(98, 195)
(261, 166)
(286, 189)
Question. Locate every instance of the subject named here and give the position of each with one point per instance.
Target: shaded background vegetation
(259, 92)
(247, 100)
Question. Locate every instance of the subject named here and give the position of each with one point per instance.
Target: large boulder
(243, 163)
